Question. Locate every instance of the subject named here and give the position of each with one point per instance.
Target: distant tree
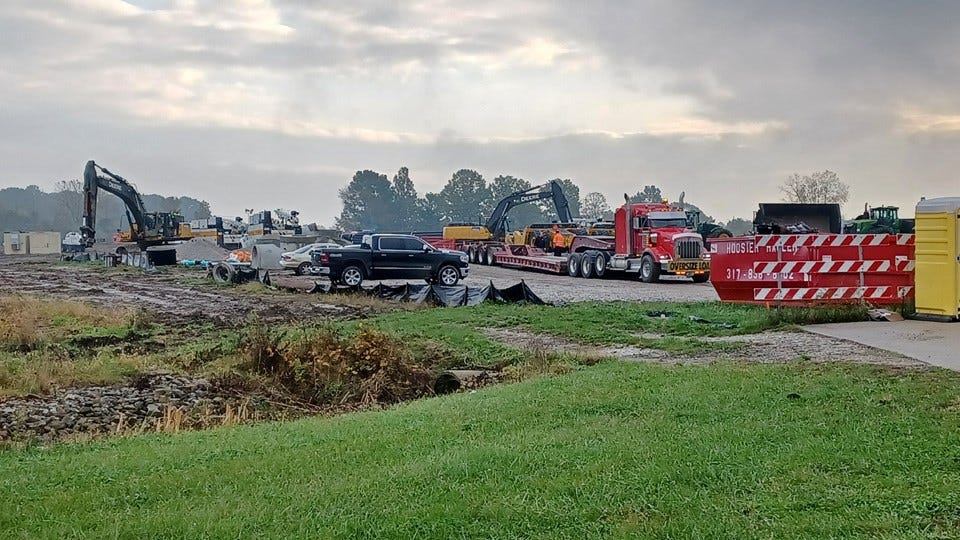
(405, 200)
(819, 187)
(465, 198)
(572, 192)
(739, 226)
(649, 194)
(69, 194)
(594, 206)
(522, 215)
(368, 203)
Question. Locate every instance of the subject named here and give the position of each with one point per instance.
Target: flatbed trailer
(528, 258)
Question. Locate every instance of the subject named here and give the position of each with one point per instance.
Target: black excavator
(147, 229)
(496, 226)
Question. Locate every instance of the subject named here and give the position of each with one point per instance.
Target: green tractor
(705, 229)
(880, 220)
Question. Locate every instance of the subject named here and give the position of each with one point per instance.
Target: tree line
(372, 201)
(32, 209)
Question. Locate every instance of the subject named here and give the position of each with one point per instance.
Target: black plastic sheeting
(461, 295)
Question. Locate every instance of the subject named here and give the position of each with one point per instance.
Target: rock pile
(101, 409)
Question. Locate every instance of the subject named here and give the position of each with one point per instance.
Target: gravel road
(561, 288)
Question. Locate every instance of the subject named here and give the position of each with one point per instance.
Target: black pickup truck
(390, 256)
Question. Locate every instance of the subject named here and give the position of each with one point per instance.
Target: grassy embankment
(48, 343)
(620, 450)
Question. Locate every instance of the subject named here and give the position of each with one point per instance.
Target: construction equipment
(146, 228)
(704, 228)
(798, 218)
(649, 239)
(880, 220)
(226, 233)
(278, 221)
(478, 240)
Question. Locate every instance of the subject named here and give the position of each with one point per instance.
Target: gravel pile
(98, 409)
(197, 249)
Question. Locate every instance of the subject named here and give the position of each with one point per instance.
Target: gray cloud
(272, 104)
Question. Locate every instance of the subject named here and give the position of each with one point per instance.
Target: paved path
(935, 343)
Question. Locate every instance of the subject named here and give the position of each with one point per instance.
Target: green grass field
(617, 450)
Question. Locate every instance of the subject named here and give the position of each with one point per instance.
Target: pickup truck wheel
(701, 278)
(352, 276)
(586, 264)
(649, 270)
(448, 276)
(600, 265)
(573, 265)
(303, 269)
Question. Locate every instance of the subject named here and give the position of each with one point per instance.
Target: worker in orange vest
(558, 241)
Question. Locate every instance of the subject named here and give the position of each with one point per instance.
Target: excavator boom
(498, 219)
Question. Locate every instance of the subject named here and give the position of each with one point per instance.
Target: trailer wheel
(573, 265)
(224, 273)
(483, 256)
(492, 256)
(649, 270)
(600, 264)
(586, 265)
(701, 278)
(472, 255)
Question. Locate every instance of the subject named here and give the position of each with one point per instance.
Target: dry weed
(26, 321)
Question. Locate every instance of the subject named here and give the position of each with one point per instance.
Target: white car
(299, 261)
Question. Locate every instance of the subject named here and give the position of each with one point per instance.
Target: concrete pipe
(265, 257)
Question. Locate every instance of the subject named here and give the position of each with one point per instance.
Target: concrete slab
(935, 343)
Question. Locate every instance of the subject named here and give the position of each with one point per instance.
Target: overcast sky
(275, 103)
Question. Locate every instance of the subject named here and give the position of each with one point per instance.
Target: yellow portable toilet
(937, 277)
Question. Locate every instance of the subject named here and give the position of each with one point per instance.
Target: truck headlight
(464, 258)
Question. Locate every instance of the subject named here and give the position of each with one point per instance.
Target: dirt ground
(180, 292)
(173, 294)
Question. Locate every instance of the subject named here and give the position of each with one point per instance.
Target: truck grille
(688, 248)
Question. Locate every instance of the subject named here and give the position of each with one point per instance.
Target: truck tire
(600, 265)
(573, 265)
(224, 273)
(701, 278)
(649, 270)
(586, 264)
(472, 254)
(492, 256)
(483, 256)
(352, 276)
(720, 232)
(448, 276)
(302, 269)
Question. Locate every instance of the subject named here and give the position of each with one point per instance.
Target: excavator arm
(96, 178)
(498, 219)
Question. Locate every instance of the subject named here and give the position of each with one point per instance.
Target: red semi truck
(650, 239)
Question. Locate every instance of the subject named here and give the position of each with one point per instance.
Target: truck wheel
(303, 269)
(483, 256)
(492, 256)
(448, 276)
(586, 264)
(472, 255)
(649, 270)
(573, 265)
(720, 232)
(352, 276)
(600, 264)
(701, 278)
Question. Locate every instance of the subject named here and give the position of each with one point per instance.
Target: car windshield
(663, 223)
(306, 248)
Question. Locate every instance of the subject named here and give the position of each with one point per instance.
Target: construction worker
(558, 242)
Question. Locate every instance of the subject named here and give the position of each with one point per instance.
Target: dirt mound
(197, 249)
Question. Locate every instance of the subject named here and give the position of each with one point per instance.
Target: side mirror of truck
(427, 248)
